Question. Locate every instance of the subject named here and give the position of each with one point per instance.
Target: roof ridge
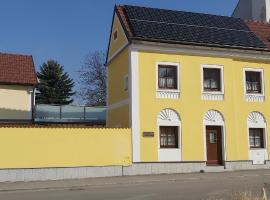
(15, 54)
(257, 21)
(174, 10)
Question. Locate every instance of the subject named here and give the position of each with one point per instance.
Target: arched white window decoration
(256, 119)
(213, 117)
(168, 117)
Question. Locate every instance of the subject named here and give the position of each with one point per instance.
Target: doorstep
(217, 169)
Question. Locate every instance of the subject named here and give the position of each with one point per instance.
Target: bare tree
(93, 75)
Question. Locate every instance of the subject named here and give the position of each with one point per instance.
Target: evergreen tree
(55, 86)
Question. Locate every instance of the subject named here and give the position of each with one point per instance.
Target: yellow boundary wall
(64, 147)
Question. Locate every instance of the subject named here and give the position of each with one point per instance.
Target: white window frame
(126, 83)
(246, 69)
(261, 152)
(177, 65)
(208, 66)
(170, 154)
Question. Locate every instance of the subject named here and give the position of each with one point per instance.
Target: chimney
(253, 9)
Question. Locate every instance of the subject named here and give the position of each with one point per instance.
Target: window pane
(162, 72)
(211, 79)
(167, 77)
(168, 137)
(251, 141)
(256, 138)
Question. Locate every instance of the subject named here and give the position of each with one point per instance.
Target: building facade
(17, 83)
(192, 87)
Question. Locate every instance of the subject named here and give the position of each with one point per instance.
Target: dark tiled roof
(187, 28)
(17, 69)
(261, 29)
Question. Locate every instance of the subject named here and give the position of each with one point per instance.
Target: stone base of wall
(163, 168)
(42, 174)
(14, 175)
(245, 165)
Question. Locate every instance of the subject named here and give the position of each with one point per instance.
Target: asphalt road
(210, 186)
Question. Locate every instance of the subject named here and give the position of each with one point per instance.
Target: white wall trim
(201, 51)
(135, 107)
(31, 96)
(214, 118)
(213, 96)
(168, 94)
(169, 117)
(118, 51)
(249, 97)
(257, 120)
(119, 104)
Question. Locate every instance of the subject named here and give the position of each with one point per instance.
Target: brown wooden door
(214, 145)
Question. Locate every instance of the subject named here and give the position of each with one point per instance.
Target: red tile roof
(17, 69)
(261, 29)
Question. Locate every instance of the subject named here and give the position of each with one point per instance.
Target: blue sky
(67, 30)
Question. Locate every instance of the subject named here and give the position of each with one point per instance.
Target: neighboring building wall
(253, 9)
(64, 147)
(243, 9)
(259, 10)
(192, 109)
(16, 102)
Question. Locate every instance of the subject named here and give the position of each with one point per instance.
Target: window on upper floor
(254, 85)
(167, 77)
(253, 82)
(212, 80)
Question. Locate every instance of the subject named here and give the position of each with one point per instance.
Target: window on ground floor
(169, 137)
(256, 138)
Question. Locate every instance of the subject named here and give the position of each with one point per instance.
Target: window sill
(168, 94)
(254, 97)
(213, 96)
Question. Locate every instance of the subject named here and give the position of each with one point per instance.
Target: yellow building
(194, 88)
(17, 83)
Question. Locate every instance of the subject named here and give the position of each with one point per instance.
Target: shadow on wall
(13, 114)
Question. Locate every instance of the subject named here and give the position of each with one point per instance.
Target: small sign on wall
(148, 134)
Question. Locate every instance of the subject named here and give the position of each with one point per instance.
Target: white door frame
(214, 118)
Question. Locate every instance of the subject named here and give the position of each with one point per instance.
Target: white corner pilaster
(134, 104)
